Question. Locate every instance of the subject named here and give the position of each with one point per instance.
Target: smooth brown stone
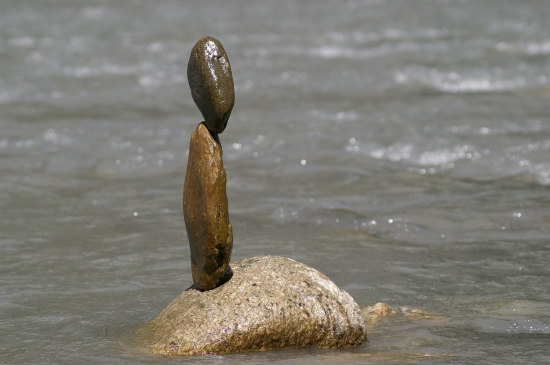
(211, 82)
(205, 210)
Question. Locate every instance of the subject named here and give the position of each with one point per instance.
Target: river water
(399, 147)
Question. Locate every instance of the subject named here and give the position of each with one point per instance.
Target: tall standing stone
(211, 82)
(205, 210)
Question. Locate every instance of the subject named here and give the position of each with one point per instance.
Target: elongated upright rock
(205, 210)
(211, 82)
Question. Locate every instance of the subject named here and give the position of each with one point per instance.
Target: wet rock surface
(211, 82)
(205, 210)
(269, 302)
(375, 313)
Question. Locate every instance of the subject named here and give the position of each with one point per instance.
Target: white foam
(93, 12)
(104, 69)
(440, 157)
(21, 42)
(477, 84)
(454, 82)
(56, 138)
(529, 48)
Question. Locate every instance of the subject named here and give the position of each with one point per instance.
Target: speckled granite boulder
(269, 302)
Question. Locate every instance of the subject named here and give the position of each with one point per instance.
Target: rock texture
(269, 302)
(205, 210)
(211, 82)
(373, 314)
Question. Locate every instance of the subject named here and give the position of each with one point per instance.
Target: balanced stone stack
(204, 198)
(256, 304)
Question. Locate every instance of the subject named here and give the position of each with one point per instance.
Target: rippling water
(402, 148)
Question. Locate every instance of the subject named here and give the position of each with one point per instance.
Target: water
(399, 147)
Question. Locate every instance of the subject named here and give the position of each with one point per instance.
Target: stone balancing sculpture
(267, 302)
(204, 198)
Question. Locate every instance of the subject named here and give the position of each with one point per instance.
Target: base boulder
(268, 302)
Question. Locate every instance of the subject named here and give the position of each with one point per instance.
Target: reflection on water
(401, 148)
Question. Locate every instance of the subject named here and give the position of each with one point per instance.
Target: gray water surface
(399, 147)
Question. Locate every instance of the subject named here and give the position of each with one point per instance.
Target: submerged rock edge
(270, 302)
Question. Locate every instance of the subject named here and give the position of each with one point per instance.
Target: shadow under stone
(226, 277)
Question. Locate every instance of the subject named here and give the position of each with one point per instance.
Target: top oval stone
(211, 82)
